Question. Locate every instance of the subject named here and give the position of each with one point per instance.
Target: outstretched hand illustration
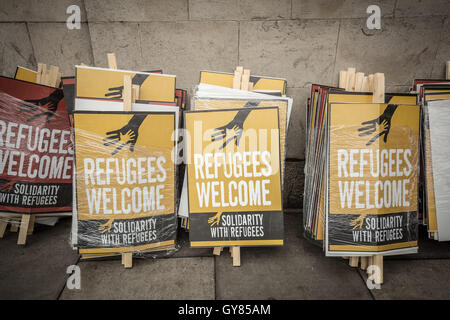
(358, 222)
(106, 227)
(47, 105)
(373, 126)
(116, 92)
(233, 129)
(214, 220)
(127, 135)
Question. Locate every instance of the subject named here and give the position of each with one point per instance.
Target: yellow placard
(125, 181)
(108, 84)
(234, 185)
(373, 176)
(26, 74)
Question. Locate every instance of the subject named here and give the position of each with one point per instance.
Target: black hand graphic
(236, 125)
(116, 92)
(47, 105)
(384, 120)
(128, 134)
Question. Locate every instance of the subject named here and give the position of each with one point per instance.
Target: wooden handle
(112, 61)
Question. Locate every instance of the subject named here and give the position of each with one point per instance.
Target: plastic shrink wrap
(36, 151)
(340, 212)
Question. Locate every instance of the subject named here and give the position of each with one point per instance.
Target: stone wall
(304, 41)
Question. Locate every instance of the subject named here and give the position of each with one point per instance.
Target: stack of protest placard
(361, 169)
(125, 133)
(36, 151)
(235, 145)
(434, 97)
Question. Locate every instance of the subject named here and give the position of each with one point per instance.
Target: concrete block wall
(304, 41)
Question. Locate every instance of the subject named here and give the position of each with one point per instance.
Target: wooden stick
(24, 229)
(250, 86)
(127, 259)
(217, 251)
(359, 79)
(370, 82)
(364, 263)
(52, 76)
(369, 263)
(245, 79)
(127, 93)
(365, 86)
(39, 72)
(448, 70)
(112, 61)
(378, 88)
(350, 79)
(236, 256)
(378, 261)
(44, 75)
(31, 224)
(237, 80)
(343, 79)
(3, 225)
(353, 262)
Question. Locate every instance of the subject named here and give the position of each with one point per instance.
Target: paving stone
(239, 9)
(136, 10)
(338, 9)
(15, 48)
(54, 44)
(414, 280)
(403, 49)
(185, 48)
(154, 279)
(122, 39)
(412, 8)
(38, 10)
(301, 51)
(298, 270)
(38, 269)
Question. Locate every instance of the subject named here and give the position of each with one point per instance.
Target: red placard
(36, 150)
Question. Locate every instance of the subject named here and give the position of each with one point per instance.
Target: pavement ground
(298, 270)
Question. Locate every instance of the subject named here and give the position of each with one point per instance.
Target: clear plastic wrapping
(372, 171)
(36, 151)
(339, 209)
(125, 182)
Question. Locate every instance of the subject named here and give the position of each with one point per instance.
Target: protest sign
(125, 181)
(36, 152)
(234, 185)
(102, 83)
(372, 171)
